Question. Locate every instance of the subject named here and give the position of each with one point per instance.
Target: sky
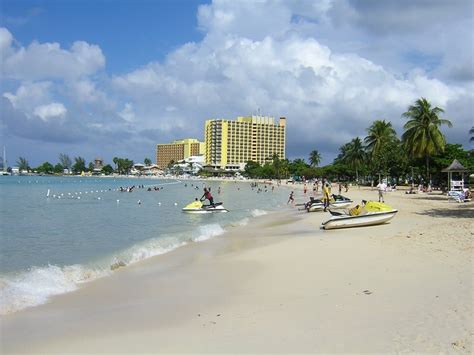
(113, 78)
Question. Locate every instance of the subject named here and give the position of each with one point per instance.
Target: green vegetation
(23, 164)
(420, 154)
(422, 137)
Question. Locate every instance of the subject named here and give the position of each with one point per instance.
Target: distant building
(177, 150)
(98, 164)
(192, 164)
(231, 144)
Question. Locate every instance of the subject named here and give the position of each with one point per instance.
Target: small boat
(336, 202)
(198, 207)
(369, 214)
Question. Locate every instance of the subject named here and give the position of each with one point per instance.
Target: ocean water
(58, 232)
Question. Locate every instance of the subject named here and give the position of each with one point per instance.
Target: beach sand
(280, 285)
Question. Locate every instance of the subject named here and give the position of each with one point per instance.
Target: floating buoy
(159, 203)
(98, 198)
(139, 202)
(79, 197)
(118, 201)
(175, 204)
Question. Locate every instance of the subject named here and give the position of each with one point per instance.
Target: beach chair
(457, 196)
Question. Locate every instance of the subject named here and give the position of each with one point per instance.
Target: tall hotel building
(231, 144)
(178, 150)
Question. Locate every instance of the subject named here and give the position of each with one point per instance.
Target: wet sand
(280, 284)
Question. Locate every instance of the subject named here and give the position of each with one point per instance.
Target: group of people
(326, 186)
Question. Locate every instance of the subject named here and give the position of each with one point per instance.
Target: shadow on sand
(462, 211)
(433, 197)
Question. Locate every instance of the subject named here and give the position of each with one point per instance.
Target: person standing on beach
(381, 187)
(326, 193)
(291, 199)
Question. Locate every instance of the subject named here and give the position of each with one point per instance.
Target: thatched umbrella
(455, 167)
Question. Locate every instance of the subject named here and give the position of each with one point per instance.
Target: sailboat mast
(4, 159)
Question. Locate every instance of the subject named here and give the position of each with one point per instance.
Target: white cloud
(6, 39)
(41, 61)
(53, 110)
(316, 63)
(127, 113)
(29, 95)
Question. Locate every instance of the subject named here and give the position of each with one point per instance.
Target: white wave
(257, 213)
(36, 286)
(208, 231)
(149, 249)
(242, 222)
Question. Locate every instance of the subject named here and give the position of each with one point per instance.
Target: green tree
(379, 134)
(147, 161)
(65, 161)
(297, 168)
(45, 168)
(379, 145)
(353, 154)
(314, 158)
(422, 136)
(107, 169)
(115, 160)
(253, 169)
(58, 168)
(79, 165)
(124, 165)
(278, 166)
(23, 164)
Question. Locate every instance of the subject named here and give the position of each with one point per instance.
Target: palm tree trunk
(427, 168)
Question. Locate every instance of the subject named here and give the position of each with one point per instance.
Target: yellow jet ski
(368, 214)
(198, 207)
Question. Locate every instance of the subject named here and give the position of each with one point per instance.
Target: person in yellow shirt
(326, 194)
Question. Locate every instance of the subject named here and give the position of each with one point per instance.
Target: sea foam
(208, 231)
(257, 213)
(37, 285)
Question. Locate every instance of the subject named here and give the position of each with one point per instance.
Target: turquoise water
(58, 232)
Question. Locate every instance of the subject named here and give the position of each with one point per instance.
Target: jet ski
(336, 202)
(368, 214)
(198, 207)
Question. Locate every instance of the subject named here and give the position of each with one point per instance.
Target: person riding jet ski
(207, 196)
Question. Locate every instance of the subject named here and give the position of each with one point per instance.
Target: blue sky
(114, 78)
(151, 28)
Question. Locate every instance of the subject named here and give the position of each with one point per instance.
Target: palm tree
(147, 161)
(65, 161)
(116, 160)
(379, 133)
(354, 155)
(22, 164)
(422, 136)
(314, 158)
(378, 144)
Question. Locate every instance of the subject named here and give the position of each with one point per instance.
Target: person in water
(207, 196)
(291, 198)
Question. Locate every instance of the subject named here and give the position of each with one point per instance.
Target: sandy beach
(280, 285)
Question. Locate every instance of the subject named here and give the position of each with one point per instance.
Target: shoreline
(281, 278)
